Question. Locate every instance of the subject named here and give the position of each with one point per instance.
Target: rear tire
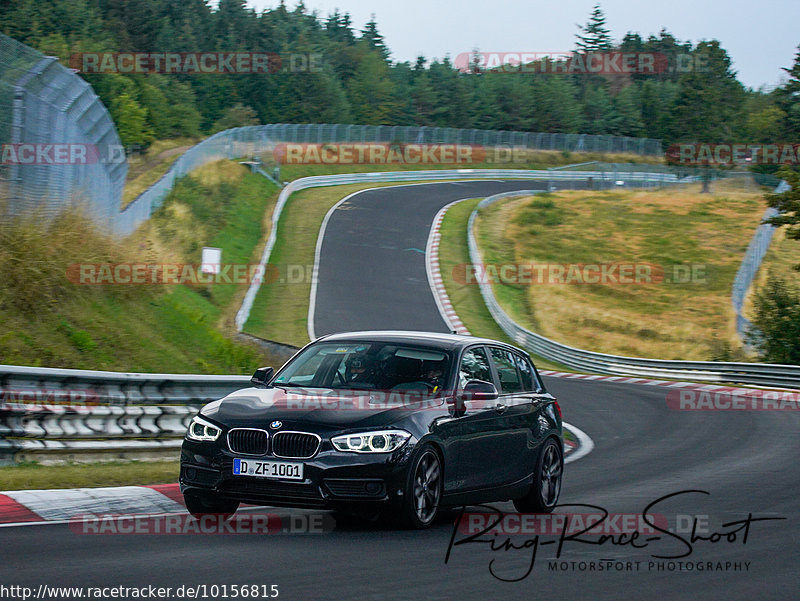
(200, 505)
(546, 487)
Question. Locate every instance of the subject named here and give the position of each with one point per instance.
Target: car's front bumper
(332, 479)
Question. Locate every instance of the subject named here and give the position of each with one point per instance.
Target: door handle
(500, 408)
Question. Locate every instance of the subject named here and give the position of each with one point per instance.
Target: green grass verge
(34, 476)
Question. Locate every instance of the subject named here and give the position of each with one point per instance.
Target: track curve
(371, 257)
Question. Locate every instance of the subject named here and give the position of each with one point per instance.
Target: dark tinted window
(526, 371)
(357, 365)
(474, 366)
(506, 370)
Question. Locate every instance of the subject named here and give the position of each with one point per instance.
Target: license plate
(282, 470)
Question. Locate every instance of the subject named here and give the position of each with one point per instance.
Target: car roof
(430, 339)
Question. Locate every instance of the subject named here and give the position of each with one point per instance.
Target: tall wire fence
(59, 144)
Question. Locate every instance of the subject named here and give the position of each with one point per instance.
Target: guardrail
(761, 374)
(69, 413)
(37, 385)
(629, 178)
(30, 431)
(756, 251)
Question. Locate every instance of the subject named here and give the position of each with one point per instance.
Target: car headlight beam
(383, 441)
(201, 430)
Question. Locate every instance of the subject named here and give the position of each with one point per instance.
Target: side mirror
(478, 390)
(262, 375)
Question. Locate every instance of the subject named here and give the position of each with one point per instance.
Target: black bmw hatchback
(395, 423)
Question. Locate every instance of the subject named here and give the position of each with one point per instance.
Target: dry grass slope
(669, 228)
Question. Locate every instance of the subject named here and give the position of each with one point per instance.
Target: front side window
(506, 370)
(474, 366)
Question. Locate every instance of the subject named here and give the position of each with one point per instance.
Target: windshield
(365, 366)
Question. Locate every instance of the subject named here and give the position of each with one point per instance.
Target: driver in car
(433, 375)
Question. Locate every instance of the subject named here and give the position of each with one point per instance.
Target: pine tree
(371, 91)
(790, 99)
(556, 107)
(594, 36)
(373, 37)
(601, 118)
(788, 203)
(627, 108)
(131, 120)
(777, 323)
(709, 100)
(338, 27)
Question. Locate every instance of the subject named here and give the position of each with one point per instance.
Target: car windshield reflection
(368, 366)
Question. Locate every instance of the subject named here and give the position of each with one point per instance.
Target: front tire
(546, 487)
(423, 491)
(199, 506)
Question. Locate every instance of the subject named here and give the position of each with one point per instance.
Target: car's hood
(258, 407)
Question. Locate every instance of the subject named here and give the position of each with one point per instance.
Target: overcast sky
(760, 36)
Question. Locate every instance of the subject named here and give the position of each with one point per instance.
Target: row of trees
(359, 83)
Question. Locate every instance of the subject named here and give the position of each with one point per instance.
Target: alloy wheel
(427, 486)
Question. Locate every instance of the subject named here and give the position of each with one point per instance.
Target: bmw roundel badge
(276, 424)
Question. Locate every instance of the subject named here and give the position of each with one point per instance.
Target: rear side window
(526, 373)
(507, 372)
(474, 366)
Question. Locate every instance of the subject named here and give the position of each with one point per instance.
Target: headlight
(202, 430)
(383, 441)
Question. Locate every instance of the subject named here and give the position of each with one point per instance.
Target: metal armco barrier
(756, 251)
(69, 429)
(36, 385)
(760, 374)
(46, 413)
